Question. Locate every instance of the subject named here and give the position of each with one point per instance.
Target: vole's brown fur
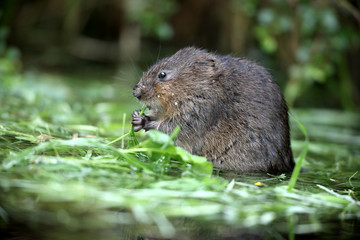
(229, 109)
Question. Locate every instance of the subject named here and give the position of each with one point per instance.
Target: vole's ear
(206, 62)
(211, 62)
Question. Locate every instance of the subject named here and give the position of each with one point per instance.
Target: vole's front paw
(138, 121)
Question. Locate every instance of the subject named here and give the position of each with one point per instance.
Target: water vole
(230, 110)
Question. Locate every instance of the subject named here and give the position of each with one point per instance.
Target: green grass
(71, 167)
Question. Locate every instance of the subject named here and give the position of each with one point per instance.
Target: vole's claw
(136, 113)
(138, 121)
(137, 128)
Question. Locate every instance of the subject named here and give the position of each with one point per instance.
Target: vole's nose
(136, 91)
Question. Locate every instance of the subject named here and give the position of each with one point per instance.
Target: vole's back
(229, 110)
(255, 126)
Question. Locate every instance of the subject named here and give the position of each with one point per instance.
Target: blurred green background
(311, 47)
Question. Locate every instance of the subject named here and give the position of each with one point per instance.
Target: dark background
(311, 47)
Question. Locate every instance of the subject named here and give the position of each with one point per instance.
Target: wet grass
(70, 167)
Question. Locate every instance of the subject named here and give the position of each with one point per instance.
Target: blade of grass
(351, 178)
(25, 136)
(290, 225)
(119, 138)
(123, 131)
(132, 138)
(299, 161)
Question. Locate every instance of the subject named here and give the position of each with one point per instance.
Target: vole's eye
(162, 75)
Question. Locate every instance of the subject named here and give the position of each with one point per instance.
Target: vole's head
(176, 80)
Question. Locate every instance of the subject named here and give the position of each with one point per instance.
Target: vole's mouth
(147, 103)
(154, 106)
